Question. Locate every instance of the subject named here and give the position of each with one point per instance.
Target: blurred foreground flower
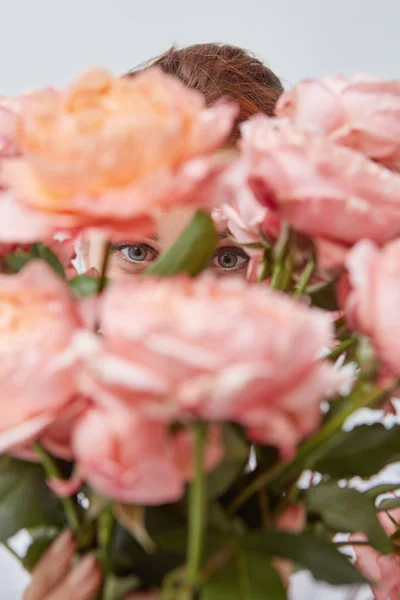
(319, 188)
(37, 321)
(109, 153)
(361, 113)
(215, 350)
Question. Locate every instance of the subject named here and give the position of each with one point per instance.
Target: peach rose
(318, 187)
(110, 153)
(8, 126)
(37, 321)
(134, 459)
(362, 113)
(372, 305)
(382, 570)
(214, 349)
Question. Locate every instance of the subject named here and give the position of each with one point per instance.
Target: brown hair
(218, 70)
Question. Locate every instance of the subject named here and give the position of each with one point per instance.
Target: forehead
(174, 222)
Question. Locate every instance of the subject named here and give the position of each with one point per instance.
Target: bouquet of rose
(193, 431)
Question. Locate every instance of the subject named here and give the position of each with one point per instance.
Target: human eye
(230, 259)
(138, 255)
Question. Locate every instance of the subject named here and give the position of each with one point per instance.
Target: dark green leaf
(132, 517)
(349, 511)
(84, 286)
(320, 557)
(192, 251)
(383, 488)
(363, 451)
(25, 499)
(127, 556)
(42, 537)
(234, 462)
(43, 252)
(17, 260)
(323, 295)
(175, 540)
(246, 576)
(117, 588)
(389, 503)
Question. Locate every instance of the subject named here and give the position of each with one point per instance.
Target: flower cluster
(138, 393)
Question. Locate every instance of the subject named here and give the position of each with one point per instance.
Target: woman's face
(133, 256)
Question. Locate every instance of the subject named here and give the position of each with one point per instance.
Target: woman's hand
(53, 578)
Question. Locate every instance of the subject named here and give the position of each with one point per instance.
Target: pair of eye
(227, 258)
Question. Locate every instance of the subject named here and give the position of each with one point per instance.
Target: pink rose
(363, 113)
(134, 459)
(373, 304)
(245, 218)
(318, 187)
(383, 571)
(110, 153)
(37, 320)
(214, 349)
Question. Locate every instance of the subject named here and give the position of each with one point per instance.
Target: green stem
(285, 471)
(104, 266)
(286, 281)
(276, 275)
(197, 502)
(266, 267)
(104, 534)
(305, 279)
(51, 469)
(337, 351)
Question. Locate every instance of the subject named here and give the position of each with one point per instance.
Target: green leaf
(192, 251)
(363, 451)
(349, 511)
(84, 286)
(127, 556)
(389, 503)
(323, 295)
(175, 540)
(17, 260)
(320, 557)
(246, 576)
(117, 588)
(382, 488)
(42, 537)
(234, 462)
(25, 499)
(132, 518)
(43, 252)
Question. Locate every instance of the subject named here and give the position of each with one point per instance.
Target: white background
(46, 42)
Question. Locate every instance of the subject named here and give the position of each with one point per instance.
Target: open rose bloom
(92, 157)
(170, 351)
(191, 427)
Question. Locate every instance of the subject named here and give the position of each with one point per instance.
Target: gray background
(46, 42)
